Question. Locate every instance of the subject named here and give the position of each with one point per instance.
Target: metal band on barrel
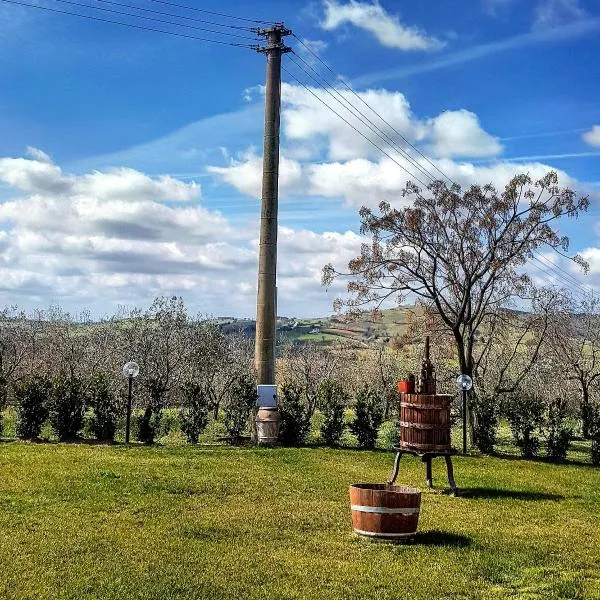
(382, 510)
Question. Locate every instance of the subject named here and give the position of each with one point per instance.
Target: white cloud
(37, 154)
(387, 28)
(306, 119)
(245, 174)
(459, 133)
(592, 137)
(554, 13)
(363, 182)
(103, 239)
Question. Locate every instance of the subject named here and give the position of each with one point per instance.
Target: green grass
(80, 522)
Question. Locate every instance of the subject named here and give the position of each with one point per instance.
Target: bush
(193, 414)
(242, 399)
(66, 407)
(525, 414)
(105, 406)
(149, 424)
(332, 402)
(559, 433)
(294, 416)
(368, 417)
(3, 400)
(485, 422)
(150, 421)
(389, 435)
(32, 397)
(595, 437)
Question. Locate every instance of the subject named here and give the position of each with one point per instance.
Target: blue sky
(130, 160)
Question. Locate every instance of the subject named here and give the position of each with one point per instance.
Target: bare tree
(216, 360)
(459, 252)
(18, 339)
(574, 343)
(308, 365)
(155, 339)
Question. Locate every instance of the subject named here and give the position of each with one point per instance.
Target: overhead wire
(554, 278)
(352, 91)
(347, 105)
(353, 127)
(178, 16)
(130, 25)
(567, 277)
(555, 270)
(155, 19)
(209, 12)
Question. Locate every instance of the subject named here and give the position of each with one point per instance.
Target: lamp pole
(130, 370)
(128, 420)
(464, 420)
(464, 383)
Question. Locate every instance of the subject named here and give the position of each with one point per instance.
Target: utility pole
(266, 304)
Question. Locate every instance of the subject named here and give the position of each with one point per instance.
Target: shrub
(294, 416)
(193, 414)
(389, 435)
(559, 433)
(332, 402)
(3, 400)
(368, 417)
(32, 396)
(105, 406)
(150, 421)
(149, 424)
(485, 422)
(525, 414)
(595, 437)
(66, 407)
(242, 399)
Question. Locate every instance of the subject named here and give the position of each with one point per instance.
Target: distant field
(94, 522)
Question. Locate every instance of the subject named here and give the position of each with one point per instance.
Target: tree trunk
(466, 362)
(586, 411)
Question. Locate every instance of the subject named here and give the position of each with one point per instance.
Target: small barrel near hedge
(385, 512)
(267, 425)
(425, 422)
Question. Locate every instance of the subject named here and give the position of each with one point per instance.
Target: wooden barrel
(267, 425)
(383, 511)
(425, 422)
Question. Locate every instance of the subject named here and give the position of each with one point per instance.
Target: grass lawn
(84, 521)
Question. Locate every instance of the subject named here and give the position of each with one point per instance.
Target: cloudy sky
(130, 160)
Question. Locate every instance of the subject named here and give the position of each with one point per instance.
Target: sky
(130, 160)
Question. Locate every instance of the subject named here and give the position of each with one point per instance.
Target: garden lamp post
(130, 370)
(465, 383)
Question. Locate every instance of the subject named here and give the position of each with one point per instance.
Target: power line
(131, 25)
(185, 17)
(347, 105)
(155, 19)
(572, 282)
(349, 87)
(209, 12)
(353, 127)
(554, 277)
(569, 278)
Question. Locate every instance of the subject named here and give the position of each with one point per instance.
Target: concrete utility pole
(266, 304)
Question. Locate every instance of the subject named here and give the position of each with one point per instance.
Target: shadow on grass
(495, 493)
(442, 538)
(541, 459)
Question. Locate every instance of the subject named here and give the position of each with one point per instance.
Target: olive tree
(155, 338)
(574, 343)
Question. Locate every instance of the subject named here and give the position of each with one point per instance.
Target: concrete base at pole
(267, 425)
